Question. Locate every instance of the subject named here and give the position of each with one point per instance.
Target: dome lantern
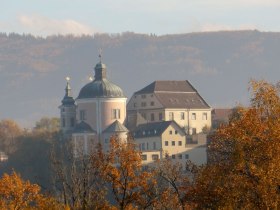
(101, 87)
(100, 71)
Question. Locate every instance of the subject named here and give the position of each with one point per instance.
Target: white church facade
(166, 118)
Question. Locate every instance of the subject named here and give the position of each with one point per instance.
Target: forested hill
(218, 64)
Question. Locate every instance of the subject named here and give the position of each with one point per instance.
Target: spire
(68, 88)
(100, 55)
(68, 99)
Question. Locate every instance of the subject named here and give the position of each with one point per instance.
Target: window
(182, 115)
(63, 122)
(143, 96)
(143, 104)
(186, 156)
(180, 143)
(166, 143)
(193, 130)
(176, 132)
(166, 155)
(147, 145)
(143, 146)
(106, 141)
(154, 145)
(72, 122)
(171, 115)
(160, 116)
(144, 157)
(63, 110)
(152, 117)
(152, 103)
(116, 114)
(204, 116)
(144, 115)
(155, 157)
(173, 157)
(180, 156)
(170, 132)
(193, 116)
(82, 115)
(173, 143)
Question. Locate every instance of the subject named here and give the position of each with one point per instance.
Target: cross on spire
(100, 55)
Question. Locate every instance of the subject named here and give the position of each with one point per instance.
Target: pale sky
(46, 17)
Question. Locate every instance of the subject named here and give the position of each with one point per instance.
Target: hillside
(218, 64)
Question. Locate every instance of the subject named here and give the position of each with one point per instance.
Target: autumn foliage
(243, 170)
(16, 193)
(245, 155)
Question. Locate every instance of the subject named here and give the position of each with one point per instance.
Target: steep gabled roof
(83, 127)
(175, 94)
(182, 100)
(168, 86)
(153, 129)
(115, 127)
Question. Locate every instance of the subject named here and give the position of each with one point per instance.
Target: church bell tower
(67, 111)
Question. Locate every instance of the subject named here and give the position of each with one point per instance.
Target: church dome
(100, 87)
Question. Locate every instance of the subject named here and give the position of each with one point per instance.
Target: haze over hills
(218, 64)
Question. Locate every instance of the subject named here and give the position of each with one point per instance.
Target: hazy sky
(45, 17)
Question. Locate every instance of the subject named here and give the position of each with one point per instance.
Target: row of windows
(144, 104)
(115, 114)
(171, 116)
(147, 146)
(152, 116)
(179, 156)
(173, 143)
(154, 157)
(143, 96)
(170, 132)
(182, 116)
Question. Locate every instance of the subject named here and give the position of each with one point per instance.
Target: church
(166, 118)
(96, 114)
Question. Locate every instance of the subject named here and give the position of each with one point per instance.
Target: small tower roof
(68, 99)
(83, 127)
(115, 127)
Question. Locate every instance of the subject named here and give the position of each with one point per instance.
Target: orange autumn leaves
(245, 154)
(16, 193)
